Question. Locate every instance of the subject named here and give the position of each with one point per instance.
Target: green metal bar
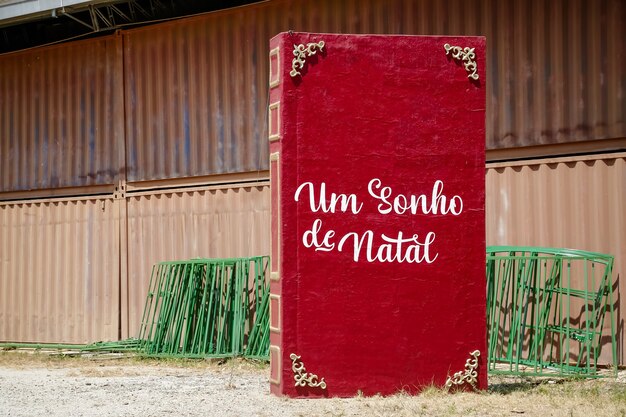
(236, 308)
(569, 312)
(122, 345)
(167, 309)
(51, 346)
(152, 305)
(208, 336)
(609, 288)
(516, 323)
(221, 336)
(540, 295)
(500, 319)
(164, 342)
(184, 302)
(156, 305)
(202, 312)
(491, 305)
(187, 309)
(216, 307)
(178, 321)
(148, 305)
(195, 310)
(527, 294)
(550, 283)
(586, 340)
(160, 310)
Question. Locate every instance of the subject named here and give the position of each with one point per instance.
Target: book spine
(275, 133)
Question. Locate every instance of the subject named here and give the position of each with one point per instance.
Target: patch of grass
(432, 391)
(618, 393)
(566, 394)
(36, 359)
(451, 409)
(512, 387)
(506, 385)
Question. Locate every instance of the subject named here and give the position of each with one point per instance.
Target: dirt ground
(35, 384)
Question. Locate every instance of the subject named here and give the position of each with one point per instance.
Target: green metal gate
(546, 311)
(207, 307)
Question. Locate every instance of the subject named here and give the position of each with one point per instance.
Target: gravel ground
(80, 387)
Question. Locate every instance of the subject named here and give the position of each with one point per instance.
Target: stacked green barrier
(547, 311)
(207, 308)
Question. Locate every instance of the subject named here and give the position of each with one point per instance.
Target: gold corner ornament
(301, 52)
(466, 55)
(302, 377)
(470, 375)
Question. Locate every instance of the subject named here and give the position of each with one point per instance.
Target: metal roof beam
(115, 10)
(96, 13)
(64, 13)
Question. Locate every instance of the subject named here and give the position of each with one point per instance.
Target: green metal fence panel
(201, 308)
(547, 309)
(207, 308)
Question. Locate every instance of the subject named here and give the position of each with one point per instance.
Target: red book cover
(378, 231)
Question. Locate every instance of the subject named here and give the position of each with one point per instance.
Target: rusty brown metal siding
(59, 271)
(208, 222)
(556, 70)
(196, 98)
(76, 270)
(195, 90)
(197, 87)
(60, 124)
(577, 203)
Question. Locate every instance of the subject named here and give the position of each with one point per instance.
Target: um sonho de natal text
(368, 245)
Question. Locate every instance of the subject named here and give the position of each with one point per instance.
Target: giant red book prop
(378, 241)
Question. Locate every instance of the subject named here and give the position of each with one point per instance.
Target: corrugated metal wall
(59, 270)
(60, 124)
(210, 222)
(556, 70)
(188, 99)
(197, 98)
(577, 203)
(195, 90)
(556, 73)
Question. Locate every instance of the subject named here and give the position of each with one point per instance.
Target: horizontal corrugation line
(59, 125)
(562, 204)
(186, 224)
(59, 269)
